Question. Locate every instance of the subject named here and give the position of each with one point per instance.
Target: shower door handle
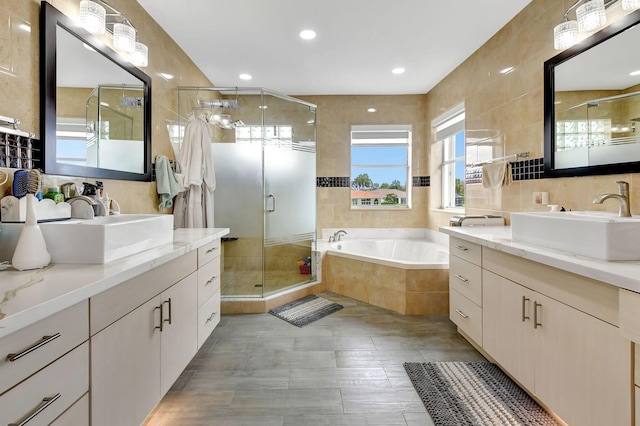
(273, 209)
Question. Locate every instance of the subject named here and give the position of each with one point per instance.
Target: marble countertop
(623, 274)
(29, 296)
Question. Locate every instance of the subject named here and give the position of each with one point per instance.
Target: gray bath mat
(474, 393)
(306, 310)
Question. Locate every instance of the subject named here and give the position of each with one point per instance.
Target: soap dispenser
(31, 250)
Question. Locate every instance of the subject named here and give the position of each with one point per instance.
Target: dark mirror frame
(50, 19)
(612, 30)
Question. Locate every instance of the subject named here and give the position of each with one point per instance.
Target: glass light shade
(591, 15)
(92, 17)
(565, 35)
(630, 4)
(124, 38)
(140, 57)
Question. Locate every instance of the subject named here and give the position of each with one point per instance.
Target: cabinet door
(179, 337)
(508, 326)
(583, 366)
(125, 368)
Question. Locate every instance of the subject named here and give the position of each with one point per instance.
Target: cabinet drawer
(50, 392)
(77, 415)
(471, 252)
(466, 315)
(208, 318)
(466, 278)
(208, 252)
(41, 343)
(208, 281)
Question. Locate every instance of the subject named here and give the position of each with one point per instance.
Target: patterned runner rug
(474, 393)
(306, 310)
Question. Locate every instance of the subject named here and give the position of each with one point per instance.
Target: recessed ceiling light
(398, 70)
(245, 77)
(308, 34)
(634, 73)
(165, 75)
(371, 110)
(507, 70)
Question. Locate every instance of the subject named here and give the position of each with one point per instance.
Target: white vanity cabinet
(136, 357)
(556, 333)
(465, 287)
(208, 290)
(44, 367)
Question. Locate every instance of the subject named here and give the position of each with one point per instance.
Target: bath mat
(474, 393)
(306, 310)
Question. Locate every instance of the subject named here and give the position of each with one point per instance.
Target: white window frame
(446, 127)
(381, 129)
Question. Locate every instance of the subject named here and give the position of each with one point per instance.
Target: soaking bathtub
(406, 275)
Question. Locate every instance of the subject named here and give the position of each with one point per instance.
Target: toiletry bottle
(31, 250)
(106, 201)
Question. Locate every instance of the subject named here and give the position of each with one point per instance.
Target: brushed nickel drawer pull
(524, 301)
(46, 402)
(461, 278)
(212, 249)
(39, 344)
(213, 278)
(462, 314)
(210, 317)
(462, 248)
(536, 305)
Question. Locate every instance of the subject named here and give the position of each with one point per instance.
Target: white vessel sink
(601, 235)
(99, 240)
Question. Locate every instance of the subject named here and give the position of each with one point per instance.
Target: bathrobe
(194, 205)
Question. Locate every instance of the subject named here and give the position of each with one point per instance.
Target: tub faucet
(338, 234)
(622, 196)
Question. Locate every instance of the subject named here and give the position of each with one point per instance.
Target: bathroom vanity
(102, 344)
(563, 326)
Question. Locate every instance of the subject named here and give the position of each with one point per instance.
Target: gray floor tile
(347, 420)
(381, 401)
(318, 378)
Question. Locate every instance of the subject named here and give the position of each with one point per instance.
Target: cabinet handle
(462, 248)
(536, 324)
(168, 319)
(524, 301)
(210, 317)
(210, 281)
(461, 278)
(462, 314)
(212, 249)
(161, 318)
(40, 408)
(39, 344)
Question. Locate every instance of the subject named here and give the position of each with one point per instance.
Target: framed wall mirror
(95, 106)
(592, 104)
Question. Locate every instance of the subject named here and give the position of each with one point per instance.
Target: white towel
(495, 175)
(166, 183)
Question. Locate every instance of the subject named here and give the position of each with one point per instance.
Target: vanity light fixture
(95, 19)
(591, 15)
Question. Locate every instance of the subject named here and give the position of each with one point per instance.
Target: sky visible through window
(383, 155)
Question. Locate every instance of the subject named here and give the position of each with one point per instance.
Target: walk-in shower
(264, 156)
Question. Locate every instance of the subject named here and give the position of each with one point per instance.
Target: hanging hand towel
(495, 175)
(166, 183)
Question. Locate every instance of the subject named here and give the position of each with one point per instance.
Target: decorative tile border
(421, 181)
(333, 182)
(473, 175)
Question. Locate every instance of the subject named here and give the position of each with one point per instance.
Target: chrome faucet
(336, 236)
(622, 197)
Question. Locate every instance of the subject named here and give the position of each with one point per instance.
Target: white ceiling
(358, 42)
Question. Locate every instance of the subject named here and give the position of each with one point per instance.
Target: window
(380, 166)
(450, 133)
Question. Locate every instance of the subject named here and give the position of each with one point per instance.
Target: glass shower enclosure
(264, 156)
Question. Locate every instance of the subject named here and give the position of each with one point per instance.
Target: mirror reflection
(95, 105)
(596, 107)
(99, 120)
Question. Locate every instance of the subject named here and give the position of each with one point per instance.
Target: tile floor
(345, 369)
